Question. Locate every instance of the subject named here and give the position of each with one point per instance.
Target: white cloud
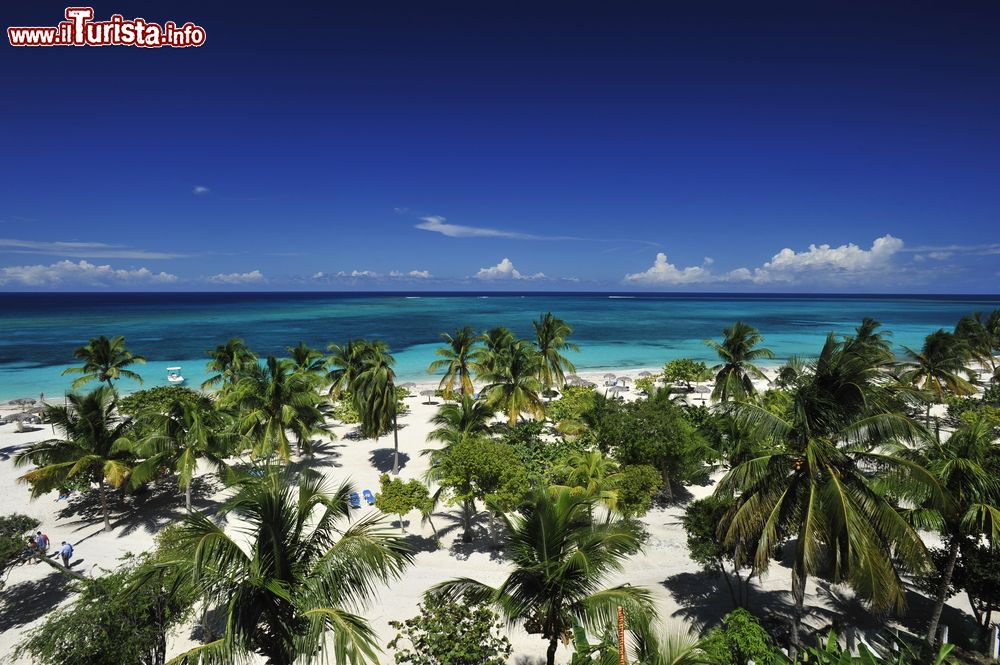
(363, 273)
(84, 273)
(664, 272)
(817, 264)
(413, 274)
(77, 249)
(200, 189)
(436, 224)
(237, 277)
(829, 263)
(505, 270)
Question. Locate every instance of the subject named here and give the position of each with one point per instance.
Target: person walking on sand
(41, 544)
(66, 552)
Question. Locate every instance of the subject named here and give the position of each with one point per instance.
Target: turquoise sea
(38, 331)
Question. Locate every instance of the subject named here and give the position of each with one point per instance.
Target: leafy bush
(636, 485)
(740, 638)
(344, 410)
(121, 618)
(686, 371)
(14, 531)
(451, 633)
(567, 411)
(159, 399)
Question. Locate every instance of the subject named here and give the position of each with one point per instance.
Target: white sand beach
(682, 594)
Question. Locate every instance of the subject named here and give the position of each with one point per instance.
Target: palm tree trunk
(799, 594)
(942, 593)
(550, 653)
(187, 496)
(437, 538)
(395, 443)
(104, 504)
(467, 508)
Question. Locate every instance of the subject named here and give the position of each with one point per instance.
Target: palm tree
(550, 336)
(735, 374)
(497, 342)
(980, 337)
(346, 362)
(291, 583)
(937, 367)
(375, 396)
(872, 342)
(269, 401)
(457, 358)
(962, 467)
(308, 361)
(229, 362)
(459, 421)
(512, 383)
(95, 447)
(816, 483)
(561, 559)
(590, 473)
(104, 360)
(186, 433)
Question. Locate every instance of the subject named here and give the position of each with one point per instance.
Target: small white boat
(174, 375)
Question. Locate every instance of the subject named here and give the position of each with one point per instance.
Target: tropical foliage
(106, 360)
(562, 558)
(294, 589)
(95, 447)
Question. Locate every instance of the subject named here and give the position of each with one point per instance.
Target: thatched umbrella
(624, 380)
(644, 374)
(428, 394)
(616, 390)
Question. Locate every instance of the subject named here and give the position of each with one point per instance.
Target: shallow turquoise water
(38, 332)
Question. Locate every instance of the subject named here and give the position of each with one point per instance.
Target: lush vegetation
(839, 462)
(450, 633)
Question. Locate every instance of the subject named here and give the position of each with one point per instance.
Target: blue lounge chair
(369, 497)
(355, 500)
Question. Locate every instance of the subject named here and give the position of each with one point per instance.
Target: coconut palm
(980, 337)
(497, 342)
(815, 483)
(95, 447)
(458, 421)
(346, 362)
(308, 361)
(375, 396)
(104, 360)
(227, 363)
(561, 559)
(872, 342)
(962, 466)
(457, 358)
(292, 582)
(512, 382)
(938, 367)
(590, 473)
(271, 400)
(738, 352)
(550, 337)
(187, 433)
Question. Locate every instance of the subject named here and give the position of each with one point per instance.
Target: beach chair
(369, 497)
(355, 500)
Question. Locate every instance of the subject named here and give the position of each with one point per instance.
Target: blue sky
(710, 146)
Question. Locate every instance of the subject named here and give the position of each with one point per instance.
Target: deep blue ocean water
(39, 331)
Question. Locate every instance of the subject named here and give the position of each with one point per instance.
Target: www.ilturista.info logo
(79, 29)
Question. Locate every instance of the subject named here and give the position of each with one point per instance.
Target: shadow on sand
(381, 459)
(149, 509)
(23, 603)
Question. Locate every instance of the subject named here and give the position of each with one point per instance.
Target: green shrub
(740, 638)
(159, 399)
